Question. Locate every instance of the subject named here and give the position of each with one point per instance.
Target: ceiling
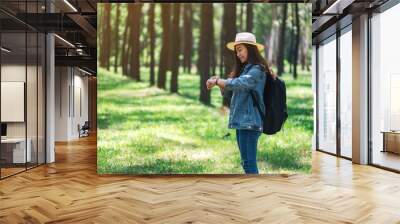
(74, 22)
(330, 15)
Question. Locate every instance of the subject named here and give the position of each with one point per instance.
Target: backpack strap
(255, 101)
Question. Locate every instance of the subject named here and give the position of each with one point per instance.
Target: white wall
(70, 84)
(62, 81)
(314, 89)
(81, 94)
(385, 74)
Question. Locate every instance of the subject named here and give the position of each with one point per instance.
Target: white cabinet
(18, 149)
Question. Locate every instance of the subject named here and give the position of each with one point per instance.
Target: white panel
(314, 79)
(12, 101)
(394, 102)
(327, 97)
(77, 112)
(346, 94)
(50, 100)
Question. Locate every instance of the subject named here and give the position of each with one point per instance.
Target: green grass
(145, 130)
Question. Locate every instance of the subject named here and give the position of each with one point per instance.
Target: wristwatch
(216, 82)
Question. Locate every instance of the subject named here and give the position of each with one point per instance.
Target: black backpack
(275, 104)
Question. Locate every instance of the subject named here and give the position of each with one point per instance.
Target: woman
(248, 75)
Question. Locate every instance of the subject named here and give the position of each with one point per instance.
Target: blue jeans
(247, 141)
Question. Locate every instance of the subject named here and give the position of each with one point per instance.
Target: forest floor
(146, 130)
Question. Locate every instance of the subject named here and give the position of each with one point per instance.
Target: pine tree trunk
(281, 43)
(188, 37)
(151, 31)
(107, 33)
(213, 53)
(143, 36)
(271, 44)
(116, 38)
(228, 34)
(135, 41)
(293, 36)
(124, 54)
(175, 47)
(241, 7)
(204, 53)
(249, 19)
(163, 64)
(106, 39)
(297, 41)
(221, 48)
(129, 49)
(170, 50)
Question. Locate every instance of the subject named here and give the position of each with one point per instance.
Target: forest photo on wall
(197, 88)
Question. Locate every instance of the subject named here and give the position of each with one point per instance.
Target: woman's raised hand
(211, 82)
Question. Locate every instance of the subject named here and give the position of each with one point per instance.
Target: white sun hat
(244, 38)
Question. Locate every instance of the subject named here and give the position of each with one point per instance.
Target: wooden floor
(387, 159)
(70, 191)
(10, 171)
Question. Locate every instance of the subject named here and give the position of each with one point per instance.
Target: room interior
(360, 39)
(47, 82)
(47, 79)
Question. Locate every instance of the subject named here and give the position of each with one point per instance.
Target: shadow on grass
(158, 166)
(110, 82)
(298, 111)
(154, 145)
(283, 158)
(107, 119)
(134, 100)
(302, 84)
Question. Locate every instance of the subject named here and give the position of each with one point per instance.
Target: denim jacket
(243, 113)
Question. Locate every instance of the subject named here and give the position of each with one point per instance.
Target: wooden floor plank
(70, 191)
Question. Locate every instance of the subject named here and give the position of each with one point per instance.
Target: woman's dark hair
(253, 57)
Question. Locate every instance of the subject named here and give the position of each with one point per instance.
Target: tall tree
(170, 50)
(241, 12)
(228, 34)
(221, 47)
(175, 48)
(163, 64)
(290, 51)
(305, 37)
(271, 45)
(135, 40)
(106, 39)
(125, 45)
(249, 19)
(188, 37)
(281, 43)
(151, 30)
(144, 36)
(297, 41)
(116, 37)
(213, 52)
(204, 53)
